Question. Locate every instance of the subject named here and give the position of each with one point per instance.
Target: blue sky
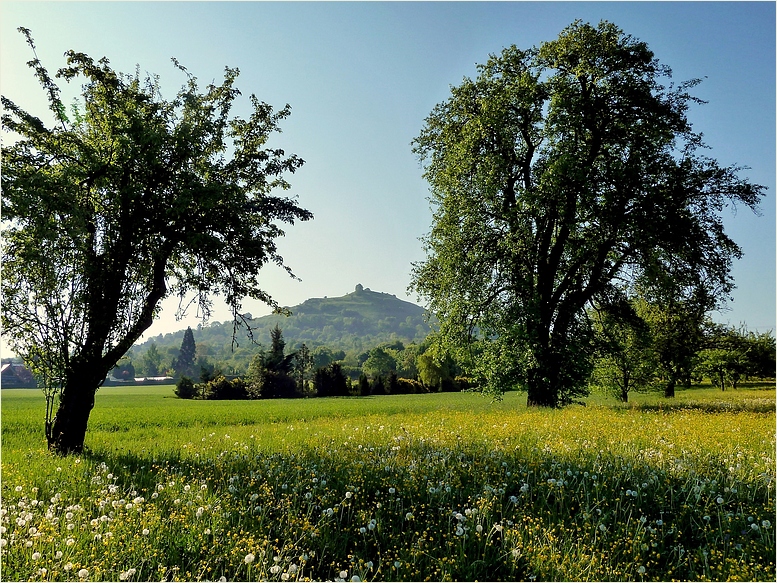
(362, 76)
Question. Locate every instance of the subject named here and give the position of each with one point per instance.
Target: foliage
(124, 370)
(186, 389)
(184, 363)
(303, 364)
(129, 200)
(437, 487)
(222, 388)
(731, 355)
(625, 355)
(363, 385)
(152, 361)
(329, 381)
(379, 363)
(269, 373)
(435, 371)
(557, 173)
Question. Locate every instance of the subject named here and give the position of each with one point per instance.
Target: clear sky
(361, 77)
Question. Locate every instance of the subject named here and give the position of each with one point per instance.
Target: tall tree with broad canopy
(558, 176)
(125, 200)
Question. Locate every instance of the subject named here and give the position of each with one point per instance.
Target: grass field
(412, 487)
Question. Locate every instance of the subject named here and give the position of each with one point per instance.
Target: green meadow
(410, 487)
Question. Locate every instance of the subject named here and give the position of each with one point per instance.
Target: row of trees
(388, 369)
(640, 347)
(643, 346)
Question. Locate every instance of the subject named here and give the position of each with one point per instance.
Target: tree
(124, 370)
(677, 330)
(379, 363)
(555, 175)
(152, 361)
(185, 388)
(124, 201)
(625, 358)
(303, 363)
(330, 381)
(184, 364)
(270, 372)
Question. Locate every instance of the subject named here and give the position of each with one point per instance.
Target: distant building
(16, 376)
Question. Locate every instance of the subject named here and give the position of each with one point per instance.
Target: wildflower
(146, 532)
(249, 559)
(766, 524)
(274, 569)
(397, 564)
(719, 500)
(602, 527)
(659, 522)
(284, 576)
(83, 573)
(36, 556)
(498, 527)
(343, 574)
(641, 570)
(293, 569)
(392, 490)
(355, 578)
(409, 516)
(70, 542)
(199, 512)
(207, 531)
(368, 564)
(362, 530)
(479, 528)
(349, 494)
(754, 526)
(459, 531)
(18, 488)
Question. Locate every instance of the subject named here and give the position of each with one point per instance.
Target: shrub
(186, 389)
(222, 388)
(408, 387)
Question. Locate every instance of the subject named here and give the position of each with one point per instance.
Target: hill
(354, 322)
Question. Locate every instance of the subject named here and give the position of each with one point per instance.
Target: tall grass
(421, 487)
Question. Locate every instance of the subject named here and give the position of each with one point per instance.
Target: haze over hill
(356, 321)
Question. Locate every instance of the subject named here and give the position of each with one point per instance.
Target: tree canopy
(127, 199)
(561, 176)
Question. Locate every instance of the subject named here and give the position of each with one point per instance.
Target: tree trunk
(68, 430)
(669, 388)
(541, 384)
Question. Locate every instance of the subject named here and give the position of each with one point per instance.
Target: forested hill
(356, 321)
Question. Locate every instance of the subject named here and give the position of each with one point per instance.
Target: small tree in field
(625, 358)
(125, 200)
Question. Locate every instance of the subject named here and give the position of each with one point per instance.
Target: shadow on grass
(764, 405)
